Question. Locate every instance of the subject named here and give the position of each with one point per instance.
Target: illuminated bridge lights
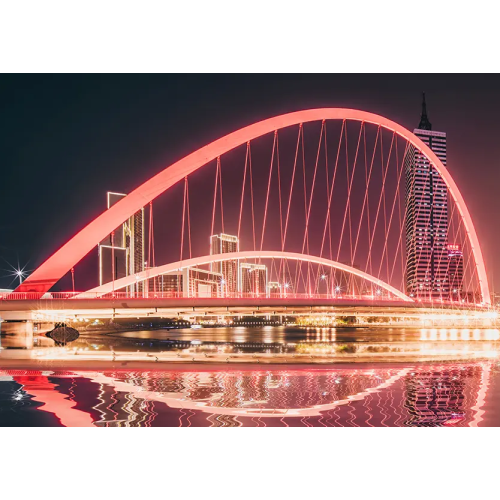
(350, 277)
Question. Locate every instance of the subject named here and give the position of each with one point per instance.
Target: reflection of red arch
(180, 401)
(207, 259)
(56, 266)
(53, 401)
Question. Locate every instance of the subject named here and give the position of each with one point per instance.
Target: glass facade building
(426, 217)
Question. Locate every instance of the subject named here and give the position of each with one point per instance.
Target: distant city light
(337, 288)
(287, 285)
(323, 276)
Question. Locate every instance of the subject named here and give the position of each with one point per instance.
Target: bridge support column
(17, 334)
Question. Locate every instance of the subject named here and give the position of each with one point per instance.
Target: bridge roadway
(58, 308)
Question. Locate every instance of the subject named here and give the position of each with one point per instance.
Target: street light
(324, 277)
(20, 275)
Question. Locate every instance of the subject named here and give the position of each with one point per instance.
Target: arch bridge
(336, 207)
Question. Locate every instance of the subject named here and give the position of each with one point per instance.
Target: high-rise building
(274, 289)
(225, 243)
(199, 282)
(427, 217)
(109, 255)
(170, 285)
(455, 271)
(126, 244)
(253, 279)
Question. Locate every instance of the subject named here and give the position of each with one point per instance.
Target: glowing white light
(323, 276)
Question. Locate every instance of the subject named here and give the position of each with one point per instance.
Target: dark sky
(66, 140)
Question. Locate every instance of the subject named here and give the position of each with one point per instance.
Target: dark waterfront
(464, 393)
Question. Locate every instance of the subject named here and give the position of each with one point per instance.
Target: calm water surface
(260, 336)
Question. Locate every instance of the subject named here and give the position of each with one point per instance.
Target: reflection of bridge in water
(424, 395)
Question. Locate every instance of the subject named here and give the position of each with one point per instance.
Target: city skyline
(436, 112)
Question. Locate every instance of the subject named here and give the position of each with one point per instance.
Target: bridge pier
(16, 334)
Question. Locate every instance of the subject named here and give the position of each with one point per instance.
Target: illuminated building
(225, 243)
(253, 279)
(106, 255)
(201, 283)
(274, 289)
(455, 271)
(427, 217)
(167, 284)
(440, 396)
(126, 245)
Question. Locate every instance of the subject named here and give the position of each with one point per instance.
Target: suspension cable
(183, 219)
(268, 190)
(220, 190)
(243, 189)
(215, 198)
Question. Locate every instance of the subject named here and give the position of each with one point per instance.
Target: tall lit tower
(253, 279)
(225, 243)
(455, 271)
(125, 246)
(427, 217)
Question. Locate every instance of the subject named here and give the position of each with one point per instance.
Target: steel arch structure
(208, 259)
(56, 266)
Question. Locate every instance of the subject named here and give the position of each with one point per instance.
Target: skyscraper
(225, 243)
(455, 271)
(427, 217)
(253, 279)
(199, 282)
(274, 289)
(126, 245)
(170, 284)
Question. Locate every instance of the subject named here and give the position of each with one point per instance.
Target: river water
(398, 394)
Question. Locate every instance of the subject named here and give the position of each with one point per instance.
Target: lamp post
(324, 277)
(20, 275)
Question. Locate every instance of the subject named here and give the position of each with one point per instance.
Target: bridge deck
(169, 307)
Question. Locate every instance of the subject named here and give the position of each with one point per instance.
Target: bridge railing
(141, 296)
(181, 295)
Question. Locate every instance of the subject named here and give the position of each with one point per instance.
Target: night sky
(66, 140)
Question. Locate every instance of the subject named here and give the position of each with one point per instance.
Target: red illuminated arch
(56, 266)
(208, 259)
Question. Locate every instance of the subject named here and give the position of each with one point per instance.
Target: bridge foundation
(16, 334)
